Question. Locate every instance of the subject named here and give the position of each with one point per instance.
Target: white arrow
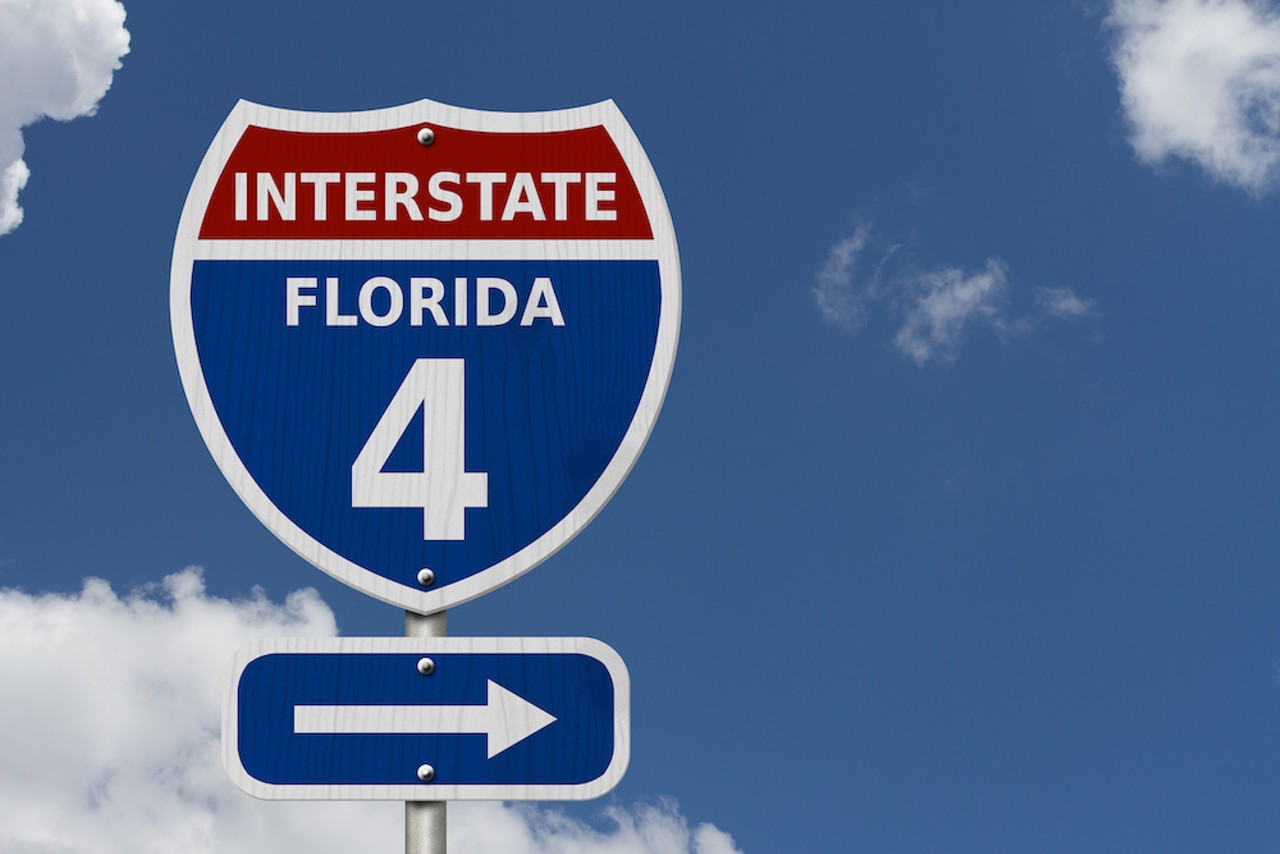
(505, 719)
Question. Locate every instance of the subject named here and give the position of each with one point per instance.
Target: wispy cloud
(941, 304)
(843, 296)
(1063, 303)
(655, 829)
(935, 308)
(109, 741)
(57, 59)
(1200, 81)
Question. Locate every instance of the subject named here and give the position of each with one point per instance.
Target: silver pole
(425, 821)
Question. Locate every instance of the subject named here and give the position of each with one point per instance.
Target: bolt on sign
(425, 344)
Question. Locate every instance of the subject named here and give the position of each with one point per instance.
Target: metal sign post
(425, 822)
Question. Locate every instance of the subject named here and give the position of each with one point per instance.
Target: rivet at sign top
(426, 136)
(426, 773)
(426, 577)
(426, 666)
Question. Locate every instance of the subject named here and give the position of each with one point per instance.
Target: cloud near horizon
(110, 741)
(1200, 81)
(935, 308)
(57, 60)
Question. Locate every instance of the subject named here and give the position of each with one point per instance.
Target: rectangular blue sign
(428, 719)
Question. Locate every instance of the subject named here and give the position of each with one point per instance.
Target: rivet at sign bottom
(426, 773)
(426, 666)
(426, 577)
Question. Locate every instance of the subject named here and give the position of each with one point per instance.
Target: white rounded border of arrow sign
(662, 247)
(527, 720)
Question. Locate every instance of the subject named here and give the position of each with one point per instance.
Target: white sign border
(589, 647)
(188, 247)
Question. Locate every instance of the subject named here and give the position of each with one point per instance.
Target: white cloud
(57, 58)
(527, 830)
(935, 308)
(1200, 81)
(840, 298)
(12, 179)
(1063, 303)
(941, 304)
(844, 297)
(109, 741)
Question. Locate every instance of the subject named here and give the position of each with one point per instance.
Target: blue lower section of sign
(300, 382)
(576, 689)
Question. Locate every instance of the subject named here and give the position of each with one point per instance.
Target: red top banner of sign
(463, 184)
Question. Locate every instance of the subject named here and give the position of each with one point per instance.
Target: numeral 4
(444, 488)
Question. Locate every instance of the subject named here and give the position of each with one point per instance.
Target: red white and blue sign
(425, 344)
(428, 719)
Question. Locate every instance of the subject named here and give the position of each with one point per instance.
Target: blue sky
(958, 529)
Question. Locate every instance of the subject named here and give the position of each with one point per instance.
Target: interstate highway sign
(425, 344)
(428, 719)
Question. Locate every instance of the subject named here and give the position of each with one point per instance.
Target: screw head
(426, 136)
(426, 577)
(426, 666)
(426, 773)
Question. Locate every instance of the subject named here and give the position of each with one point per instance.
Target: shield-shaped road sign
(425, 344)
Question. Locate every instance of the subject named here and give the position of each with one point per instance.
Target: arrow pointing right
(506, 719)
